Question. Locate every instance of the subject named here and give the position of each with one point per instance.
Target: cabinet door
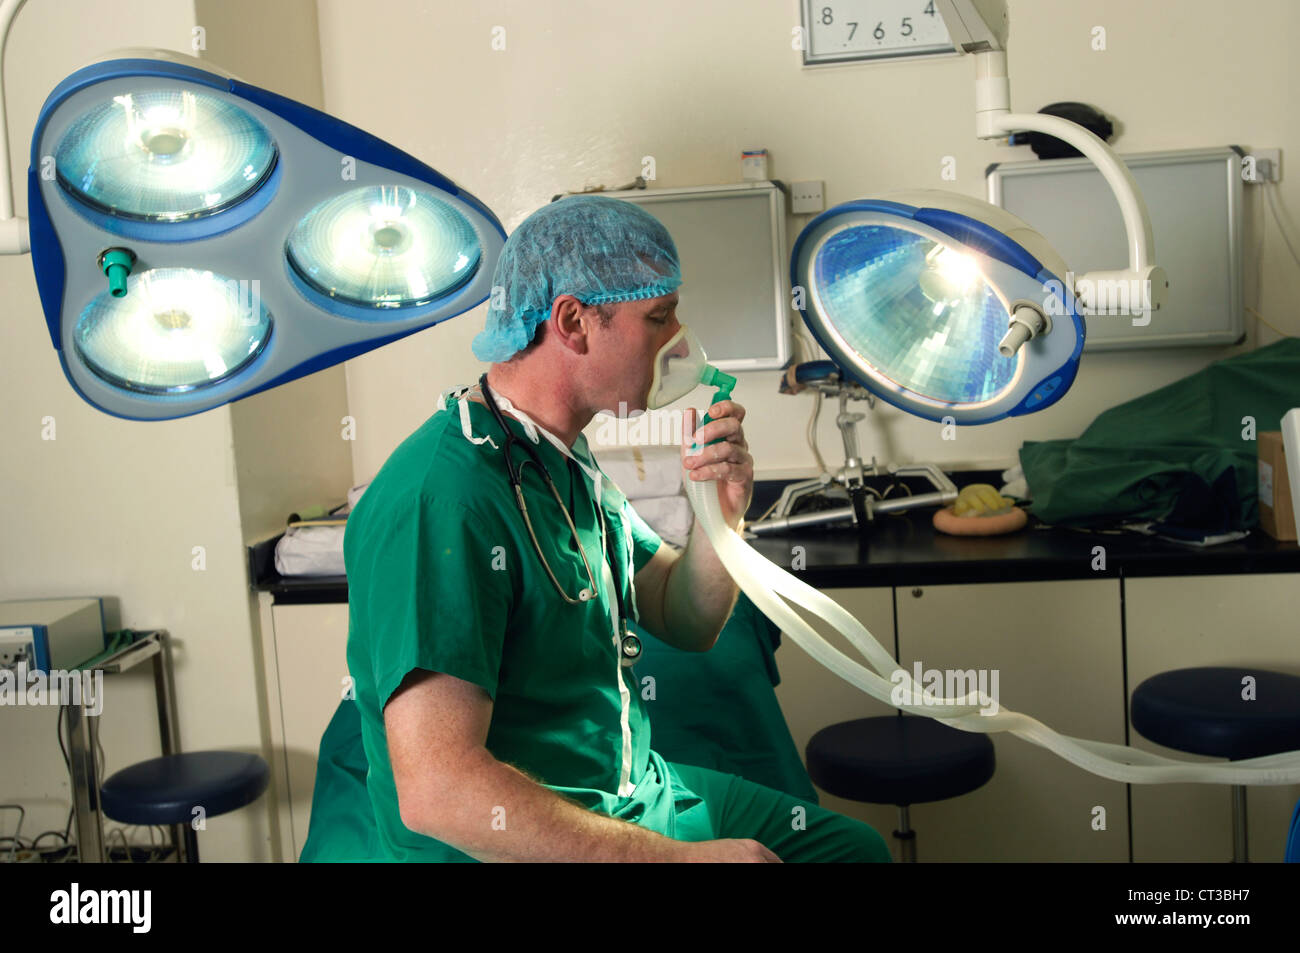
(1189, 622)
(311, 657)
(1056, 648)
(812, 697)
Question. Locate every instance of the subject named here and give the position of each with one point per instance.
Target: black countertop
(905, 550)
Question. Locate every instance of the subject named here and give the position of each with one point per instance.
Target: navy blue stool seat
(166, 790)
(900, 760)
(1202, 711)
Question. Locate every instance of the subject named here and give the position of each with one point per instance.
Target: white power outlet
(15, 645)
(806, 198)
(1267, 163)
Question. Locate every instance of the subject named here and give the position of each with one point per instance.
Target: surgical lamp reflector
(917, 312)
(164, 155)
(913, 297)
(175, 330)
(384, 247)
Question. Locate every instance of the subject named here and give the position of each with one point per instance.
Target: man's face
(625, 351)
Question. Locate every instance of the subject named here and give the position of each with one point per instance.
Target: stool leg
(906, 837)
(1239, 840)
(191, 843)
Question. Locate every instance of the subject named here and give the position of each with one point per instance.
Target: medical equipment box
(47, 634)
(1276, 507)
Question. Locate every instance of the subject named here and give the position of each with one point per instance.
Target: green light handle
(116, 264)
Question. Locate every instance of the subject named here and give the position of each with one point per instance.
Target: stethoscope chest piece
(631, 648)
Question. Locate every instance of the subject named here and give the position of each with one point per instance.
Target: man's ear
(570, 323)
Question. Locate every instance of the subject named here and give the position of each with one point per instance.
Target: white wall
(583, 90)
(113, 507)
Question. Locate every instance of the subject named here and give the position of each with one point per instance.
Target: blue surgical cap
(596, 248)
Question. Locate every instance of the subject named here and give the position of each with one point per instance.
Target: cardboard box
(1276, 508)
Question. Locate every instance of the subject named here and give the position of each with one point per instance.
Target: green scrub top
(442, 576)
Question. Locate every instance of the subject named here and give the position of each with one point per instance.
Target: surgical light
(915, 296)
(381, 247)
(196, 239)
(950, 307)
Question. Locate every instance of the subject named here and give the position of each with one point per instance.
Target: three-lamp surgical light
(197, 240)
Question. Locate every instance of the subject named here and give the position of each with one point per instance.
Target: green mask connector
(117, 263)
(712, 377)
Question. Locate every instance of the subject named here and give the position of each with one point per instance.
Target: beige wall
(114, 507)
(584, 90)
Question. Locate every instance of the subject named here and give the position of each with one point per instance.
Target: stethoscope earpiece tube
(629, 644)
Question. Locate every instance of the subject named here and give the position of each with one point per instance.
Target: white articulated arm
(14, 239)
(1139, 290)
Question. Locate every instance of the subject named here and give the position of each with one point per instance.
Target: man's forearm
(494, 812)
(700, 593)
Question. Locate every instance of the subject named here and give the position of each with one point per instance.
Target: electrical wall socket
(15, 645)
(807, 198)
(1268, 165)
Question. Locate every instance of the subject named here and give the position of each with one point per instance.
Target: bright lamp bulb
(165, 155)
(384, 247)
(949, 275)
(176, 329)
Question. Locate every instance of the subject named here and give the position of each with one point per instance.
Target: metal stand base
(861, 502)
(1240, 847)
(906, 838)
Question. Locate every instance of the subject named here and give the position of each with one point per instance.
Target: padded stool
(166, 790)
(1201, 711)
(900, 760)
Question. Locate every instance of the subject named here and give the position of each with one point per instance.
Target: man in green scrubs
(498, 719)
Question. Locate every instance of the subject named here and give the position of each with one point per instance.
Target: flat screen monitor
(1194, 198)
(731, 243)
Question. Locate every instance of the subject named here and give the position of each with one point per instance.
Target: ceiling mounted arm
(980, 27)
(13, 231)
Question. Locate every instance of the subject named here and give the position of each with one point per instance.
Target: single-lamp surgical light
(950, 307)
(940, 304)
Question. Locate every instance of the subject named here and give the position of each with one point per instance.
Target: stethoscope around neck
(629, 644)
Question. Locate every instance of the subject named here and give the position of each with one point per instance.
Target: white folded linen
(669, 516)
(643, 472)
(310, 551)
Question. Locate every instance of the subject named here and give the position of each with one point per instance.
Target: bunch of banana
(980, 499)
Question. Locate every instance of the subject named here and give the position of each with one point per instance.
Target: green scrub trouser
(735, 808)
